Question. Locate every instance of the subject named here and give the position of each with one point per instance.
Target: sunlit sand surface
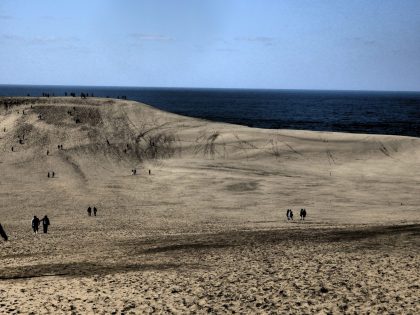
(206, 231)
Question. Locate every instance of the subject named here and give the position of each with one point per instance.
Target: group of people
(51, 174)
(36, 222)
(89, 211)
(134, 172)
(45, 221)
(289, 214)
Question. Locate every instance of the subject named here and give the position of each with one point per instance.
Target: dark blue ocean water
(395, 113)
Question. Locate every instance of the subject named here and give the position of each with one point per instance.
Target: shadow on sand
(78, 270)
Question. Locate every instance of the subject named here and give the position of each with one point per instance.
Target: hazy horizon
(205, 88)
(307, 45)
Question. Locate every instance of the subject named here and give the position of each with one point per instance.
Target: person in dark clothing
(3, 233)
(288, 214)
(89, 211)
(45, 223)
(301, 214)
(94, 211)
(35, 224)
(150, 172)
(304, 214)
(291, 214)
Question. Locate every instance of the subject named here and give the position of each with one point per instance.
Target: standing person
(3, 233)
(35, 224)
(45, 224)
(288, 214)
(301, 214)
(291, 214)
(89, 211)
(94, 211)
(304, 214)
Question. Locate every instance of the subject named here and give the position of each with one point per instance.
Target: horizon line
(211, 88)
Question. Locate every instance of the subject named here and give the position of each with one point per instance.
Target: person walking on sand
(35, 224)
(89, 211)
(301, 213)
(94, 211)
(304, 214)
(291, 214)
(3, 233)
(45, 223)
(288, 214)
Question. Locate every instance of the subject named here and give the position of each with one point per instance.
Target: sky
(267, 44)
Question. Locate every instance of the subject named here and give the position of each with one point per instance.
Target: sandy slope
(206, 232)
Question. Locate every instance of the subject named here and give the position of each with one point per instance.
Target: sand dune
(206, 231)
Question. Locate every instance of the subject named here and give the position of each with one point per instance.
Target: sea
(372, 112)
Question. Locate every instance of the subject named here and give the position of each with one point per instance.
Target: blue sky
(290, 44)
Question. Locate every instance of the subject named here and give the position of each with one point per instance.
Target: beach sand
(206, 231)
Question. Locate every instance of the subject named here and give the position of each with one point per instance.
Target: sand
(206, 232)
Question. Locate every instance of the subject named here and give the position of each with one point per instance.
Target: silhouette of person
(48, 175)
(45, 223)
(48, 152)
(291, 214)
(304, 214)
(94, 211)
(301, 214)
(150, 172)
(288, 214)
(89, 211)
(3, 233)
(35, 224)
(12, 149)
